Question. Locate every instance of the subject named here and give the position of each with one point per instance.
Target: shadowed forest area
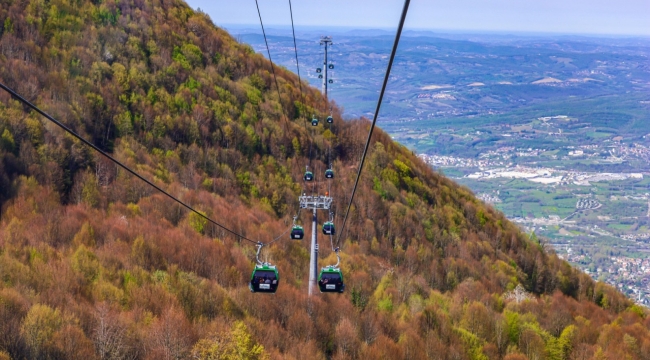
(96, 264)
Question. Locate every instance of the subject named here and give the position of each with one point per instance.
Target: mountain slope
(96, 264)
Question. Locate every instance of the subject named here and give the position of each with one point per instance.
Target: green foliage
(385, 304)
(473, 343)
(391, 175)
(566, 340)
(34, 130)
(513, 325)
(134, 209)
(8, 26)
(235, 345)
(206, 349)
(105, 16)
(296, 146)
(7, 141)
(90, 191)
(188, 56)
(85, 236)
(198, 222)
(85, 263)
(38, 328)
(403, 169)
(638, 310)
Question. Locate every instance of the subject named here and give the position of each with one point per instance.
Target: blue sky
(605, 17)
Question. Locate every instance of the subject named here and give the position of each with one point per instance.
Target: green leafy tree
(38, 329)
(85, 263)
(235, 345)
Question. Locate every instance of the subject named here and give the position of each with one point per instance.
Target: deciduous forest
(96, 264)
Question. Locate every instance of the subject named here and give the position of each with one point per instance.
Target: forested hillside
(95, 264)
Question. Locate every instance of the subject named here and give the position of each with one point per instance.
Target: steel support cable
(71, 132)
(281, 235)
(374, 120)
(302, 94)
(268, 51)
(295, 49)
(275, 79)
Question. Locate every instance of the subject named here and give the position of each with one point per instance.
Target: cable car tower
(327, 41)
(314, 202)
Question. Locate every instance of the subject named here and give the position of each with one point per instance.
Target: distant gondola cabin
(330, 119)
(297, 232)
(314, 122)
(329, 174)
(309, 176)
(265, 278)
(328, 228)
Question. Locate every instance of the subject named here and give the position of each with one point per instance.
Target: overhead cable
(295, 49)
(374, 120)
(71, 132)
(302, 95)
(268, 51)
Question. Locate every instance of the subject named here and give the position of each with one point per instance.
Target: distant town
(631, 275)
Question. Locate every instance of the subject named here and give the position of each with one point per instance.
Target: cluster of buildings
(636, 237)
(439, 96)
(631, 276)
(489, 198)
(587, 204)
(452, 161)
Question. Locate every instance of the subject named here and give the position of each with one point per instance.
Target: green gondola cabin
(328, 228)
(314, 122)
(297, 232)
(265, 279)
(329, 174)
(330, 279)
(309, 176)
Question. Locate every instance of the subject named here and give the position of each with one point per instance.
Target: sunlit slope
(96, 264)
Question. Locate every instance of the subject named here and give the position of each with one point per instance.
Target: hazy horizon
(579, 17)
(349, 29)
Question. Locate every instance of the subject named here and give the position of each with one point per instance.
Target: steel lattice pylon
(314, 202)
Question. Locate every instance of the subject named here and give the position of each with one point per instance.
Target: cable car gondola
(328, 228)
(329, 174)
(297, 232)
(318, 70)
(331, 66)
(330, 279)
(330, 119)
(265, 277)
(314, 122)
(309, 176)
(331, 81)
